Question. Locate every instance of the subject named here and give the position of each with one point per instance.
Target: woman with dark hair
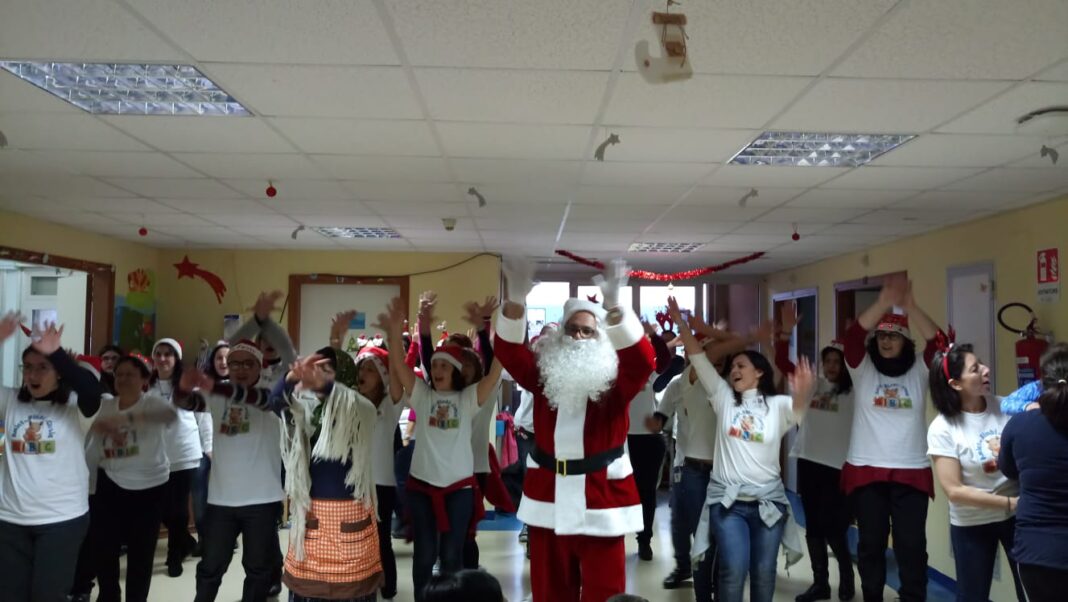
(1034, 450)
(964, 441)
(109, 355)
(44, 481)
(131, 481)
(184, 451)
(820, 449)
(887, 473)
(465, 586)
(746, 509)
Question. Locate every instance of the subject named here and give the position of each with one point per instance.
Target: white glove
(615, 276)
(519, 277)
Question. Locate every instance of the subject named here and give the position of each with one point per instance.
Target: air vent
(356, 232)
(664, 247)
(813, 149)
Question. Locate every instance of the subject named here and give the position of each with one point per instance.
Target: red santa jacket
(601, 503)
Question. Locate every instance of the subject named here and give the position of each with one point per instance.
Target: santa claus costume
(579, 496)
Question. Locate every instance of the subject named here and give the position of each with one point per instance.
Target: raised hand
(266, 303)
(615, 276)
(195, 379)
(427, 301)
(340, 325)
(519, 277)
(649, 328)
(9, 324)
(488, 306)
(48, 341)
(895, 290)
(675, 312)
(790, 318)
(764, 333)
(309, 371)
(473, 314)
(803, 380)
(653, 424)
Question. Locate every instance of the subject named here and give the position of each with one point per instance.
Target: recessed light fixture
(664, 247)
(356, 232)
(130, 89)
(813, 149)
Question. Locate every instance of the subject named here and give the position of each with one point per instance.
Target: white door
(970, 295)
(319, 303)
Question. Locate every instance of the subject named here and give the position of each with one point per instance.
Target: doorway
(970, 310)
(804, 342)
(852, 297)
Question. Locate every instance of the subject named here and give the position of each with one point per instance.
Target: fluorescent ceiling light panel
(356, 232)
(664, 247)
(813, 149)
(130, 89)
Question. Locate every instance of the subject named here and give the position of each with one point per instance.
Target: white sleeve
(204, 425)
(720, 393)
(940, 439)
(672, 397)
(787, 417)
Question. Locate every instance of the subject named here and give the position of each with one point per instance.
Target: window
(653, 299)
(626, 294)
(545, 304)
(44, 286)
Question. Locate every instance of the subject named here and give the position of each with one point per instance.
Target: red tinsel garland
(644, 275)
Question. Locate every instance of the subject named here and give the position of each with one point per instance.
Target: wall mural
(135, 314)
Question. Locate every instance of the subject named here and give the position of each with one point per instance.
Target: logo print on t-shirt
(122, 444)
(35, 435)
(235, 420)
(825, 402)
(987, 450)
(445, 415)
(747, 426)
(893, 396)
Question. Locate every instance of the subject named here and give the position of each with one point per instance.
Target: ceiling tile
(701, 233)
(1035, 159)
(367, 167)
(630, 195)
(703, 101)
(133, 207)
(874, 106)
(961, 200)
(26, 163)
(661, 145)
(58, 186)
(93, 30)
(208, 206)
(307, 212)
(119, 164)
(788, 215)
(64, 132)
(512, 171)
(1015, 179)
(245, 220)
(169, 222)
(402, 192)
(508, 141)
(950, 39)
(762, 176)
(209, 135)
(262, 166)
(176, 188)
(635, 212)
(19, 96)
(773, 228)
(907, 216)
(867, 232)
(843, 197)
(900, 178)
(721, 196)
(999, 115)
(744, 242)
(298, 32)
(699, 217)
(1058, 73)
(389, 209)
(83, 218)
(513, 197)
(564, 97)
(292, 189)
(546, 210)
(944, 150)
(354, 92)
(618, 173)
(549, 34)
(359, 137)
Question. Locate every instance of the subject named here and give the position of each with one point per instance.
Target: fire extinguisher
(1029, 348)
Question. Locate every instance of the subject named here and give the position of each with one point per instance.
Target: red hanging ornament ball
(795, 236)
(271, 191)
(143, 231)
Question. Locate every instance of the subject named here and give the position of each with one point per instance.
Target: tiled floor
(504, 557)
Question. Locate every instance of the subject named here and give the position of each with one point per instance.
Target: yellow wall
(1010, 241)
(189, 311)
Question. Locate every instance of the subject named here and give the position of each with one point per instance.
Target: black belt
(579, 466)
(702, 465)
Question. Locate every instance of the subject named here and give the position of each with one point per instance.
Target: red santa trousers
(575, 568)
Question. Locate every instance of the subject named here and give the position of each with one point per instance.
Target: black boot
(847, 589)
(645, 550)
(821, 588)
(677, 577)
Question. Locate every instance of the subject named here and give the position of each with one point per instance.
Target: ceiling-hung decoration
(674, 64)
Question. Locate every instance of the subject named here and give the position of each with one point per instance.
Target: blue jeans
(747, 546)
(688, 490)
(429, 543)
(975, 551)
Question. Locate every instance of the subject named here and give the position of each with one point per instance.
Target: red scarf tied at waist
(437, 497)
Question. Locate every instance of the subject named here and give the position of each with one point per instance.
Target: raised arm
(925, 326)
(787, 324)
(84, 384)
(392, 323)
(488, 384)
(480, 317)
(427, 301)
(894, 292)
(660, 348)
(706, 373)
(802, 386)
(339, 326)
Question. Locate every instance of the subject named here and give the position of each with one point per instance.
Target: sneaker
(523, 534)
(819, 591)
(645, 551)
(677, 578)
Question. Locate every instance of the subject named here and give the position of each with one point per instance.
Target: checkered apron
(341, 558)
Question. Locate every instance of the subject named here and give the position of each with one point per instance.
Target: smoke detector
(1050, 121)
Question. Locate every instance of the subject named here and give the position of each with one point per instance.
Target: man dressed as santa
(579, 498)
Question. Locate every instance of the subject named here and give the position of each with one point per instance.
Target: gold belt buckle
(561, 467)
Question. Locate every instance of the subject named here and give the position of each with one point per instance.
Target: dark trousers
(257, 526)
(124, 516)
(199, 489)
(85, 570)
(37, 562)
(975, 552)
(471, 554)
(430, 544)
(689, 487)
(387, 499)
(1044, 584)
(647, 459)
(827, 519)
(176, 515)
(878, 506)
(402, 465)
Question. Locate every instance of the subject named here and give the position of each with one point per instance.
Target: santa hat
(444, 338)
(573, 306)
(147, 363)
(90, 363)
(379, 341)
(450, 353)
(361, 341)
(379, 358)
(894, 323)
(836, 345)
(172, 343)
(249, 347)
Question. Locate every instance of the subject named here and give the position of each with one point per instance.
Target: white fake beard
(573, 371)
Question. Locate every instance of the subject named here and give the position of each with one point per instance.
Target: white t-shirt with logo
(824, 436)
(889, 419)
(696, 428)
(748, 435)
(974, 439)
(643, 404)
(246, 465)
(182, 435)
(43, 475)
(136, 457)
(444, 421)
(382, 442)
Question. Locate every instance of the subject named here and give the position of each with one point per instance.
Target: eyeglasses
(39, 369)
(587, 332)
(247, 364)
